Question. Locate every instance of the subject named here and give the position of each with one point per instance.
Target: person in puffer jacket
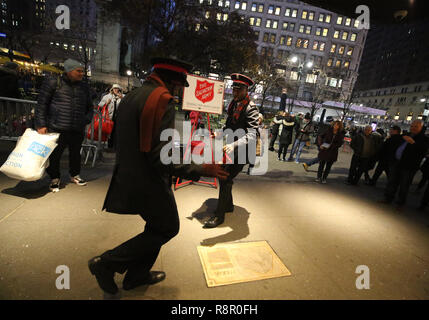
(64, 106)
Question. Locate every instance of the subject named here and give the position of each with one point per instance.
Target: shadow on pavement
(237, 221)
(29, 189)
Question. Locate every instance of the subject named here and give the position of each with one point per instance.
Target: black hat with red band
(172, 68)
(240, 81)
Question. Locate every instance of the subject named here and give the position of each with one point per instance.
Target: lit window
(301, 28)
(219, 16)
(305, 43)
(353, 37)
(338, 63)
(321, 17)
(282, 40)
(325, 32)
(244, 6)
(304, 15)
(277, 12)
(261, 8)
(298, 43)
(315, 45)
(287, 12)
(292, 27)
(318, 31)
(333, 48)
(294, 13)
(340, 20)
(350, 51)
(308, 30)
(346, 64)
(336, 34)
(289, 41)
(237, 5)
(220, 3)
(322, 46)
(268, 24)
(275, 24)
(341, 50)
(311, 16)
(270, 9)
(348, 22)
(197, 27)
(252, 21)
(225, 16)
(357, 23)
(254, 7)
(266, 35)
(258, 22)
(273, 38)
(294, 75)
(328, 18)
(330, 61)
(345, 35)
(207, 14)
(311, 78)
(285, 25)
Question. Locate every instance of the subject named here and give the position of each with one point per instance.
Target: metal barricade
(91, 146)
(16, 115)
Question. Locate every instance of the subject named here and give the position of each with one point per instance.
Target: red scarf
(153, 111)
(242, 105)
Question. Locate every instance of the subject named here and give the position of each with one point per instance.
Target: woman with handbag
(112, 101)
(329, 143)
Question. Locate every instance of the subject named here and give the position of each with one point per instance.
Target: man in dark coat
(9, 81)
(364, 148)
(288, 124)
(65, 106)
(385, 153)
(142, 177)
(275, 127)
(243, 116)
(406, 162)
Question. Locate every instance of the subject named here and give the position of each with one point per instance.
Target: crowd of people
(399, 154)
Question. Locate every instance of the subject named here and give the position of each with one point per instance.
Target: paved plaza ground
(320, 232)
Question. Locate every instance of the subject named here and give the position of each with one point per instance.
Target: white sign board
(203, 95)
(426, 112)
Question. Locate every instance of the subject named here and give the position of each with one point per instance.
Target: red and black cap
(240, 80)
(173, 68)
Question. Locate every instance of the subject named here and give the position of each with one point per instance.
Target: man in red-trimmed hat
(141, 181)
(242, 114)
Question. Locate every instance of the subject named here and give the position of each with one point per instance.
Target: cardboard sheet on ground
(231, 263)
(203, 95)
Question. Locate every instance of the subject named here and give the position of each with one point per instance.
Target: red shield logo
(204, 91)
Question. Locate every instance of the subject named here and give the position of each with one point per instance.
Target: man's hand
(409, 139)
(228, 148)
(43, 130)
(214, 170)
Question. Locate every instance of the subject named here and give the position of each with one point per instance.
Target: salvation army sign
(203, 95)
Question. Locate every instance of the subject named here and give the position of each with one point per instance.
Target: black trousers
(322, 172)
(283, 149)
(382, 166)
(72, 140)
(425, 178)
(273, 138)
(358, 166)
(225, 201)
(138, 255)
(425, 199)
(399, 178)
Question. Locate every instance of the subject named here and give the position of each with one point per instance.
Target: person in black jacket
(275, 126)
(65, 106)
(9, 81)
(385, 153)
(288, 124)
(405, 163)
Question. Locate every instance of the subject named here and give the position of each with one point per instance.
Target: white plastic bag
(30, 157)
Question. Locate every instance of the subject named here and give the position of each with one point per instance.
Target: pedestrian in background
(112, 100)
(288, 125)
(275, 127)
(329, 143)
(9, 86)
(303, 136)
(64, 106)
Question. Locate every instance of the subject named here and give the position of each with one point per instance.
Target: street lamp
(129, 73)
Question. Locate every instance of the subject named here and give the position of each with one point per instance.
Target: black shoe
(271, 149)
(130, 283)
(213, 222)
(103, 275)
